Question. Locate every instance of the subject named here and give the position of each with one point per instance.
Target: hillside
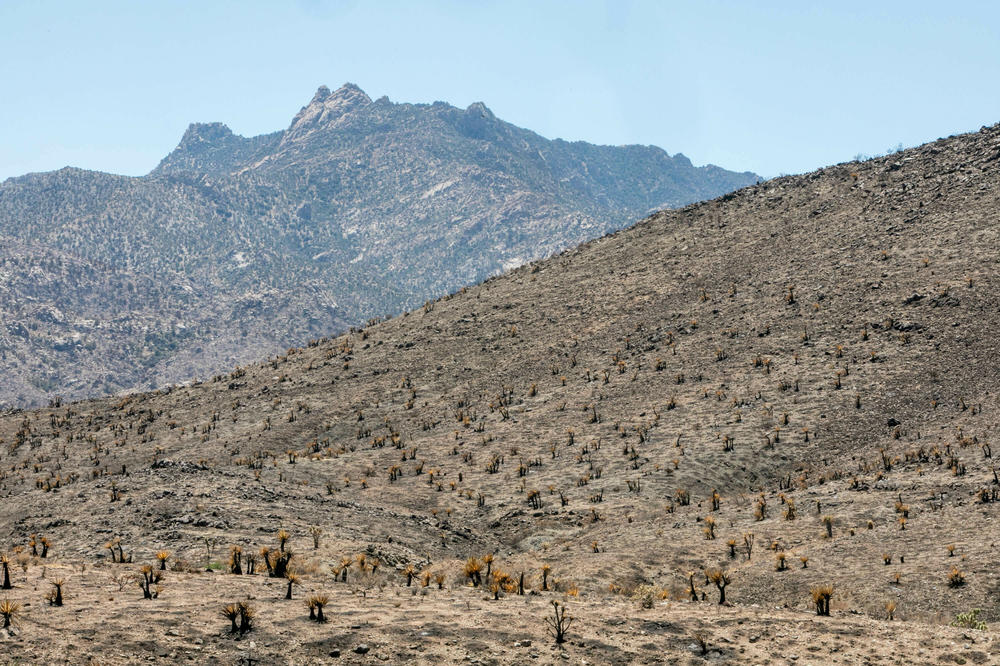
(815, 352)
(234, 248)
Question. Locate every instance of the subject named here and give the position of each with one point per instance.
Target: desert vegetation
(659, 432)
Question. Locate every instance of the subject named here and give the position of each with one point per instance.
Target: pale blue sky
(764, 86)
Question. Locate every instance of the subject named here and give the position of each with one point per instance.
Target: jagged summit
(205, 132)
(480, 109)
(326, 108)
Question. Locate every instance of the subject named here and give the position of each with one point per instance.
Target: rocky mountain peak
(481, 110)
(198, 133)
(327, 108)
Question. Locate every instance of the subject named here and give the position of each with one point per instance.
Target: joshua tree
(781, 563)
(247, 617)
(709, 527)
(163, 556)
(821, 597)
(236, 560)
(748, 543)
(473, 571)
(488, 561)
(9, 611)
(5, 562)
(293, 579)
(56, 597)
(279, 564)
(315, 533)
(560, 623)
(721, 580)
(316, 604)
(232, 613)
(149, 577)
(345, 564)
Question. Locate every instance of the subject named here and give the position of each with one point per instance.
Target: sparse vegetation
(560, 623)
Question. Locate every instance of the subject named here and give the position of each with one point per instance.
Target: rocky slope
(794, 385)
(234, 248)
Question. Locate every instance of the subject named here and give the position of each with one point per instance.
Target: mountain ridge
(358, 209)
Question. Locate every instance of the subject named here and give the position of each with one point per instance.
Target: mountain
(790, 389)
(235, 248)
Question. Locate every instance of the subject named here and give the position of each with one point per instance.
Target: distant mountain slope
(235, 247)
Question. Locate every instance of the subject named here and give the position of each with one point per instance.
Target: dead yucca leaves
(709, 529)
(241, 617)
(149, 582)
(316, 603)
(781, 561)
(473, 571)
(117, 552)
(9, 611)
(55, 596)
(163, 556)
(345, 565)
(956, 578)
(293, 579)
(235, 562)
(821, 597)
(721, 579)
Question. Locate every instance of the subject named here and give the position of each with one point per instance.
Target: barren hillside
(807, 365)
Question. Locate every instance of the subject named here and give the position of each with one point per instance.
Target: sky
(769, 87)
